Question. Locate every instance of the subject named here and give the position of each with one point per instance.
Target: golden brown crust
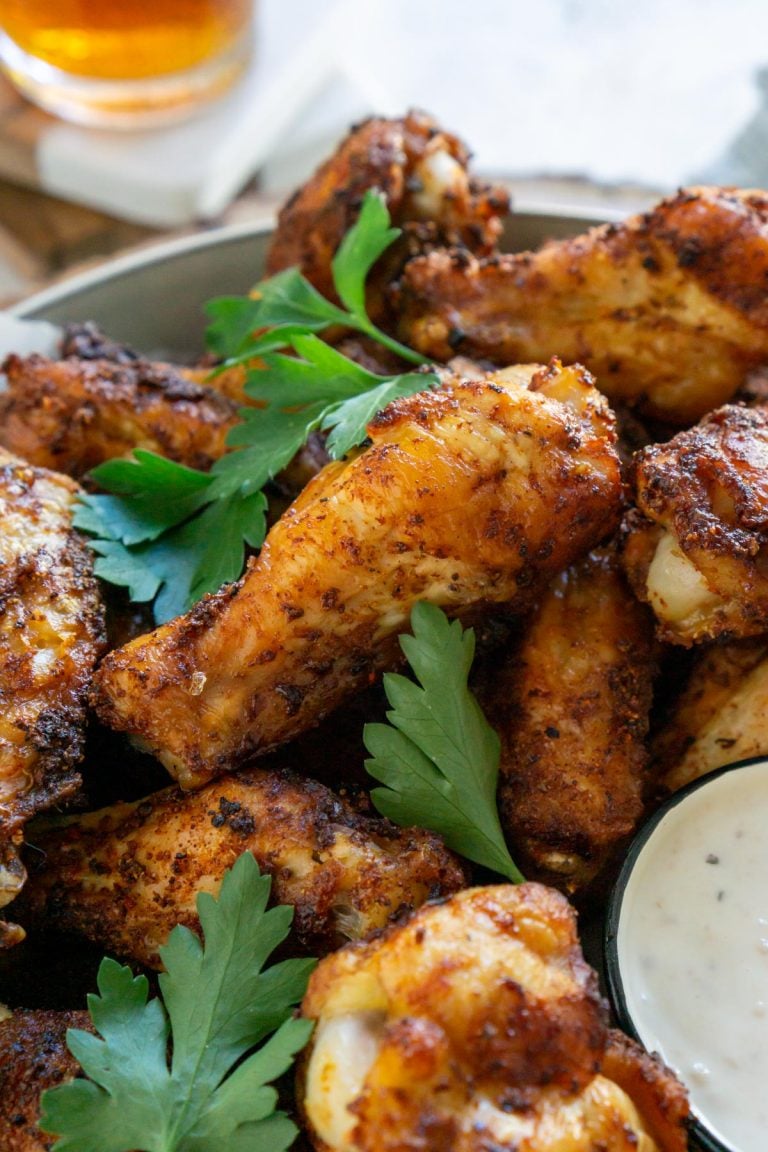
(470, 497)
(704, 497)
(668, 309)
(33, 1057)
(483, 1028)
(661, 1098)
(720, 716)
(51, 634)
(422, 173)
(571, 704)
(126, 875)
(73, 414)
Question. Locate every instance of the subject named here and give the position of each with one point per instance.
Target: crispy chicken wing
(720, 716)
(696, 548)
(668, 310)
(571, 704)
(422, 173)
(475, 1025)
(469, 497)
(124, 876)
(51, 634)
(73, 414)
(33, 1057)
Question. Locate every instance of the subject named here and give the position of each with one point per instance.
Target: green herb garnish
(213, 1091)
(170, 533)
(439, 757)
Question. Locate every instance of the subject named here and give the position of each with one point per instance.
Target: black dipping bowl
(702, 1137)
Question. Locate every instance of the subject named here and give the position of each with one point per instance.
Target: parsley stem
(363, 324)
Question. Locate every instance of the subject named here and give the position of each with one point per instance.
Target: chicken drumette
(696, 547)
(476, 1025)
(422, 173)
(470, 497)
(668, 310)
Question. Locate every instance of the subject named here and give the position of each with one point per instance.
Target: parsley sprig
(170, 533)
(439, 757)
(219, 1003)
(287, 305)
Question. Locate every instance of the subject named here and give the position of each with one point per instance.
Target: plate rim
(148, 254)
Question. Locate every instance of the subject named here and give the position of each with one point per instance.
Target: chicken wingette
(668, 310)
(720, 716)
(477, 1025)
(74, 414)
(422, 173)
(571, 703)
(33, 1057)
(125, 875)
(51, 634)
(469, 497)
(696, 547)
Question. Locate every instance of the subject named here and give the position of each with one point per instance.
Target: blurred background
(597, 106)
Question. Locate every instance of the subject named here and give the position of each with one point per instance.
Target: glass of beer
(124, 63)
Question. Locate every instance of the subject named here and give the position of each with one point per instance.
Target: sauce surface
(693, 951)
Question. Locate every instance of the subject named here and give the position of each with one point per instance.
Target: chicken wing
(73, 414)
(124, 876)
(695, 549)
(720, 716)
(51, 634)
(33, 1057)
(571, 704)
(475, 1025)
(469, 497)
(422, 173)
(668, 310)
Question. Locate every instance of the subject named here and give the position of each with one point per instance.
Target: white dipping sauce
(693, 951)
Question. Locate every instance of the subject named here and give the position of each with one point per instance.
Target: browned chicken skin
(124, 876)
(668, 310)
(74, 414)
(720, 716)
(468, 497)
(422, 173)
(475, 1025)
(51, 634)
(697, 547)
(33, 1057)
(571, 704)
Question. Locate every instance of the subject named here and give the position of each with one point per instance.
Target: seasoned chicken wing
(477, 1025)
(720, 716)
(668, 310)
(469, 497)
(571, 704)
(696, 548)
(51, 634)
(421, 171)
(33, 1057)
(73, 414)
(124, 876)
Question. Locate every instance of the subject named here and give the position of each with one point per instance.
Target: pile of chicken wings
(587, 486)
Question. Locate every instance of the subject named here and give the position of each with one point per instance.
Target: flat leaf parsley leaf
(218, 1004)
(169, 533)
(439, 757)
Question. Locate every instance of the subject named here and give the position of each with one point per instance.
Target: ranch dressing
(692, 948)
